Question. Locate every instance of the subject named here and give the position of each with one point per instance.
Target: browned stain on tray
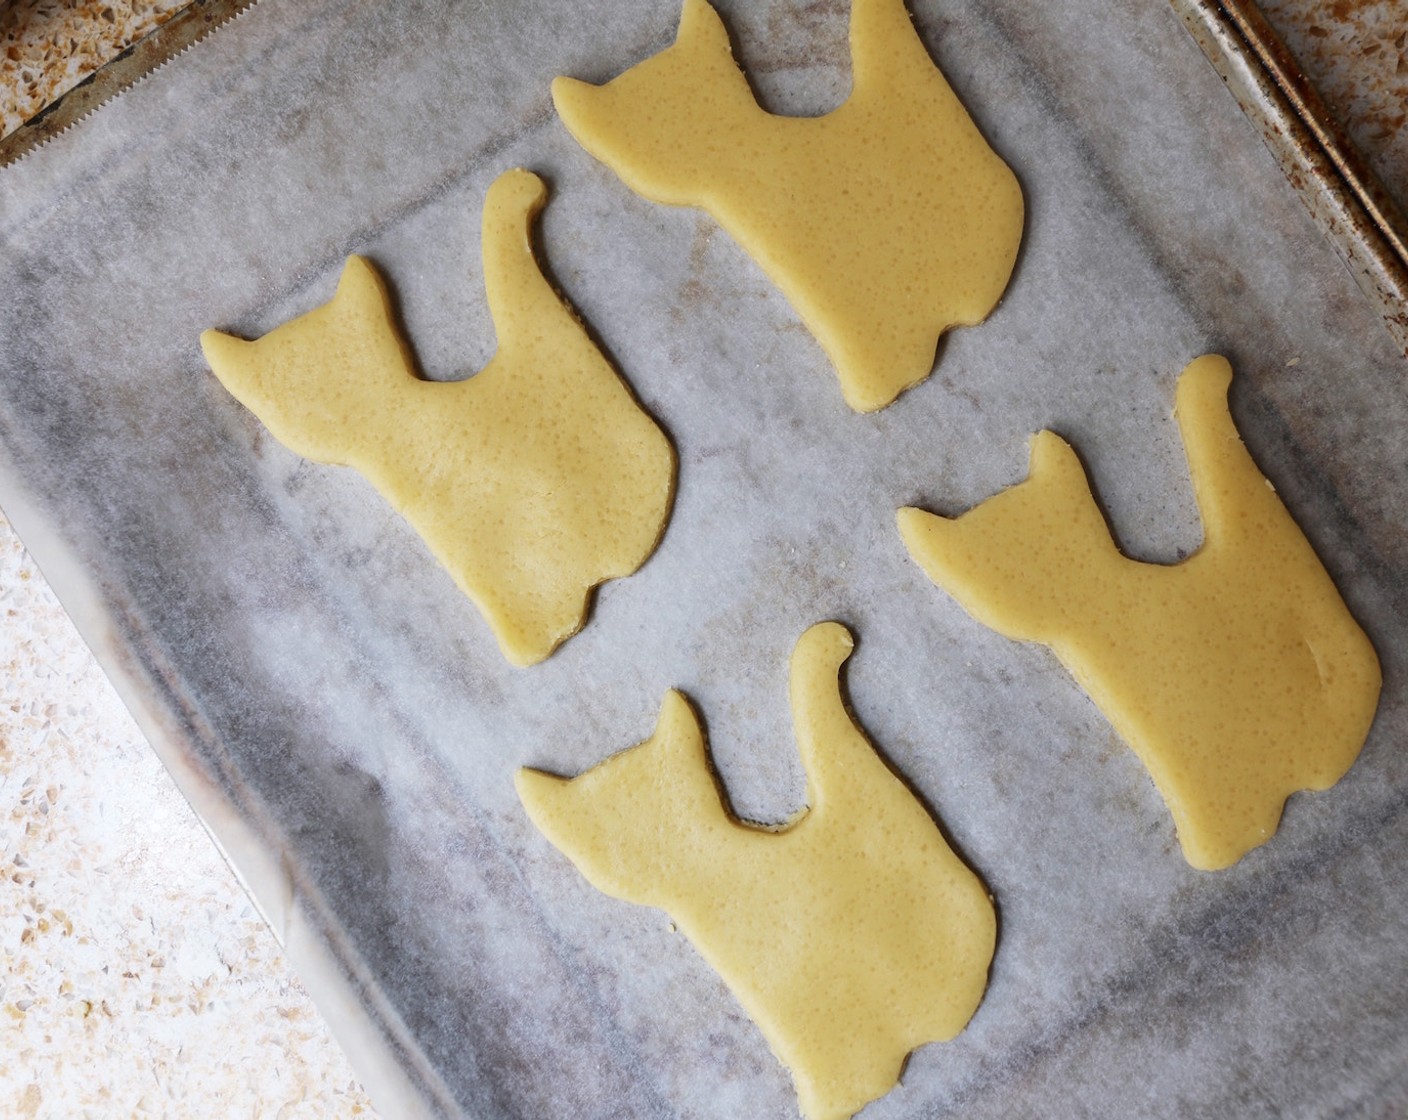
(1338, 185)
(48, 47)
(1355, 52)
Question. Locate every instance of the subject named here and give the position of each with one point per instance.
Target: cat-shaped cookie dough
(851, 934)
(1238, 675)
(885, 222)
(532, 481)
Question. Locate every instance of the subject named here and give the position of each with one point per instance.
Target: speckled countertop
(48, 46)
(137, 978)
(1356, 53)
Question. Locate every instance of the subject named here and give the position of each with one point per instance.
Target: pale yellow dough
(532, 481)
(1238, 676)
(851, 935)
(885, 222)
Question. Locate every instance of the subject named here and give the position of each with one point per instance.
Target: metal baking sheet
(1358, 213)
(341, 718)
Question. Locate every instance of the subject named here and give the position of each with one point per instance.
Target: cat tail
(1236, 502)
(840, 763)
(521, 300)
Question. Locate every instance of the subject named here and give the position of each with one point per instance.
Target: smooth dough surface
(532, 481)
(851, 935)
(884, 222)
(1238, 675)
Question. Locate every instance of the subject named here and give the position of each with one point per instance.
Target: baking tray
(340, 716)
(1359, 215)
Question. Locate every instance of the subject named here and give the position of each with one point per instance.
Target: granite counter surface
(137, 977)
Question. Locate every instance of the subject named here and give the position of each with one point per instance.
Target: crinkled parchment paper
(341, 716)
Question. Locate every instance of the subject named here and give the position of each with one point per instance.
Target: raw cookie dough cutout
(532, 481)
(884, 222)
(1238, 675)
(851, 934)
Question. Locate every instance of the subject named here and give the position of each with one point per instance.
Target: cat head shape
(266, 375)
(1008, 561)
(652, 118)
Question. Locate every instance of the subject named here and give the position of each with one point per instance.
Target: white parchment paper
(341, 715)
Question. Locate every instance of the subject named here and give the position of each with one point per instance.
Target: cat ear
(360, 285)
(700, 22)
(678, 739)
(547, 801)
(683, 772)
(538, 785)
(575, 102)
(1054, 459)
(677, 731)
(225, 354)
(921, 531)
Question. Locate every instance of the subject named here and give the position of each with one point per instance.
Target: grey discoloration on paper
(325, 676)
